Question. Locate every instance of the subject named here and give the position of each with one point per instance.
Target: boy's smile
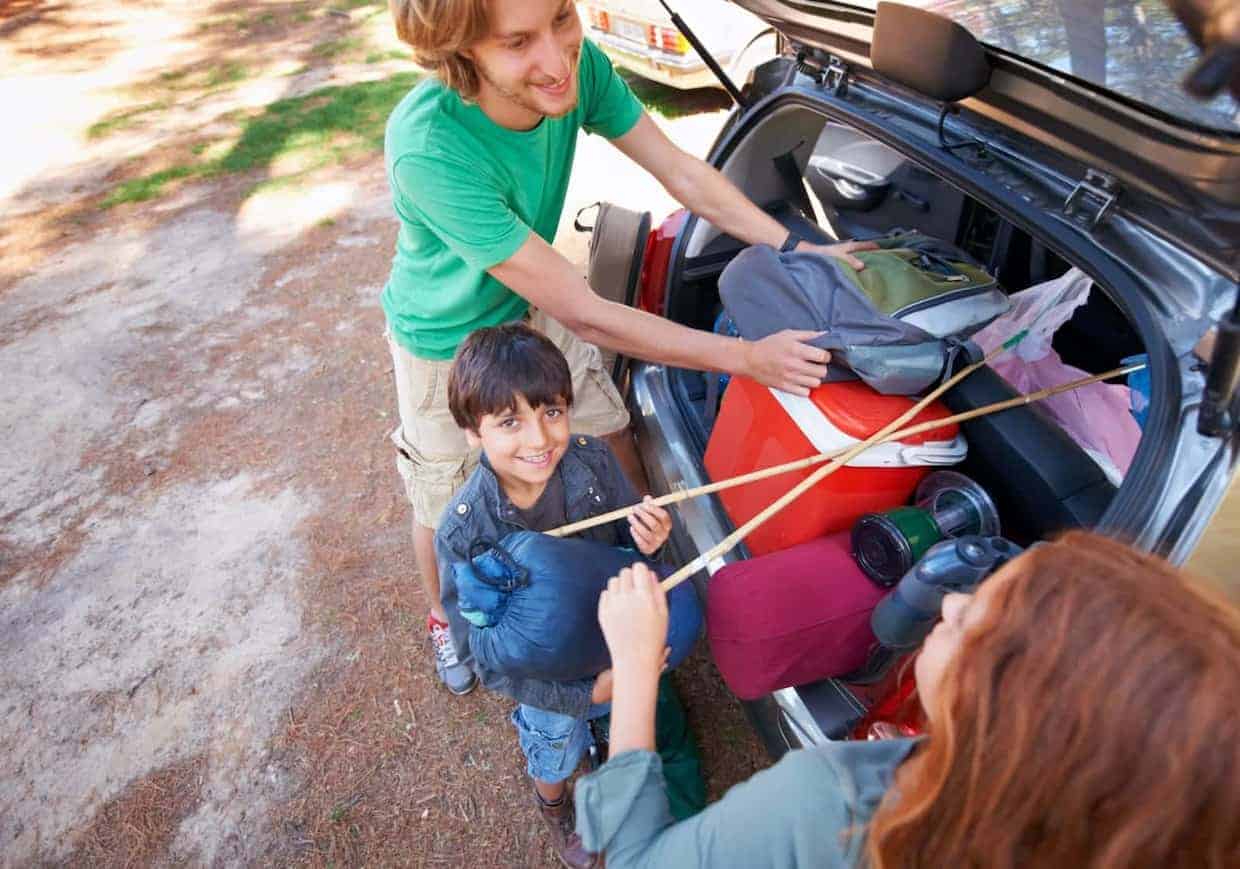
(524, 446)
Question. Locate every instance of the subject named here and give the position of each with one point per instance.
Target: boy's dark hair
(497, 364)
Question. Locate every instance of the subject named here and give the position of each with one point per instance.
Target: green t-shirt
(468, 192)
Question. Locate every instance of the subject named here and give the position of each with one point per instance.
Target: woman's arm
(790, 815)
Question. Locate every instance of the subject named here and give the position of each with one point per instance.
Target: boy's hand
(650, 526)
(602, 688)
(633, 615)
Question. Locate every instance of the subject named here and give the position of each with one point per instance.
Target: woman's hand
(633, 614)
(842, 250)
(650, 525)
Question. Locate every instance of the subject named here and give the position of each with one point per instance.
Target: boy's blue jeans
(554, 744)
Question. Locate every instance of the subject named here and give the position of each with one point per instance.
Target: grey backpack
(895, 324)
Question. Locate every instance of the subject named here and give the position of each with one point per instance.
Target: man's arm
(707, 193)
(550, 282)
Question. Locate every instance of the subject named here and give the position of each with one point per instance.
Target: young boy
(510, 390)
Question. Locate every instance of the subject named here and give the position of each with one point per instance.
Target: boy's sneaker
(561, 821)
(458, 678)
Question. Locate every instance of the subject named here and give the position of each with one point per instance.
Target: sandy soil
(211, 633)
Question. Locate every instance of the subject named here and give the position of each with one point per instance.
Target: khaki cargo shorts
(431, 452)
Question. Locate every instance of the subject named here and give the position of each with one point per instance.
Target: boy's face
(524, 446)
(529, 57)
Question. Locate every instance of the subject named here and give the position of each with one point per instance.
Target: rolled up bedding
(532, 604)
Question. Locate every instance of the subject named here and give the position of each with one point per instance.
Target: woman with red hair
(1081, 711)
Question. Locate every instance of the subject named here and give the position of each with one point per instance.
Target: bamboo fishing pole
(836, 463)
(675, 497)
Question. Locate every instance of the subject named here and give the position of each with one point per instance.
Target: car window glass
(1136, 48)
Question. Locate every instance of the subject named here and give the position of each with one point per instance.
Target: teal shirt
(468, 192)
(808, 810)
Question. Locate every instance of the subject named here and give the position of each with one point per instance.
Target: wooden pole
(886, 433)
(674, 497)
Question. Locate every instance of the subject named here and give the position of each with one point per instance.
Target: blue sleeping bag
(532, 604)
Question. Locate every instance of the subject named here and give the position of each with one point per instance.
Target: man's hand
(650, 525)
(842, 250)
(602, 688)
(784, 361)
(633, 615)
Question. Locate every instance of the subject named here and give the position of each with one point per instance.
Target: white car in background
(638, 35)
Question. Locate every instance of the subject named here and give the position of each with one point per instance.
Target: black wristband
(790, 243)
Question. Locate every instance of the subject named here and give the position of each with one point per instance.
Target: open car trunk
(1059, 485)
(827, 173)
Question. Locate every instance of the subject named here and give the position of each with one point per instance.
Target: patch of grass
(148, 186)
(380, 56)
(123, 120)
(672, 103)
(228, 73)
(333, 48)
(350, 5)
(329, 125)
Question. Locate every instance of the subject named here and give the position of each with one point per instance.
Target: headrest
(927, 52)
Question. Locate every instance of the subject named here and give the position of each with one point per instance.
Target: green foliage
(123, 120)
(335, 47)
(670, 102)
(225, 74)
(328, 125)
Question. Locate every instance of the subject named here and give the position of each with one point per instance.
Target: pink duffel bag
(790, 617)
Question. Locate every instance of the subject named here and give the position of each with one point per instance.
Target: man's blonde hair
(439, 31)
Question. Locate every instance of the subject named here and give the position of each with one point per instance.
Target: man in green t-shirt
(478, 158)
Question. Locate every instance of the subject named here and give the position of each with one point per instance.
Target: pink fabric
(790, 617)
(1097, 416)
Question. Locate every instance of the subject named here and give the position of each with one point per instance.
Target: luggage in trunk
(790, 617)
(759, 427)
(1040, 478)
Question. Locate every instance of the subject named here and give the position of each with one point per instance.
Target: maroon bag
(790, 617)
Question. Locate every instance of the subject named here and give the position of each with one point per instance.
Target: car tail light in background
(667, 39)
(673, 41)
(599, 19)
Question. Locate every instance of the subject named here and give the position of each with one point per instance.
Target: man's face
(524, 445)
(529, 57)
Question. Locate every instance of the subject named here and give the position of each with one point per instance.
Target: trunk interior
(827, 181)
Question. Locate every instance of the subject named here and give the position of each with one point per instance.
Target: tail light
(599, 19)
(667, 39)
(656, 260)
(673, 41)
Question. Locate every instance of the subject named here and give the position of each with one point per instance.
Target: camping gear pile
(852, 579)
(823, 614)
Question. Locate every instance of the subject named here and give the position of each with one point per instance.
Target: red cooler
(758, 427)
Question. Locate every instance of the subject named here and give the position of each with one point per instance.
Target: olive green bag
(895, 324)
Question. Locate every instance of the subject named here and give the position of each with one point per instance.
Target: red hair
(1089, 719)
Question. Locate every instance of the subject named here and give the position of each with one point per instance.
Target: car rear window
(1136, 48)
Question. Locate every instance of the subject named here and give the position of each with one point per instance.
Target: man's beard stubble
(521, 100)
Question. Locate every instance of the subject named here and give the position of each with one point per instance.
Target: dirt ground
(212, 636)
(211, 631)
